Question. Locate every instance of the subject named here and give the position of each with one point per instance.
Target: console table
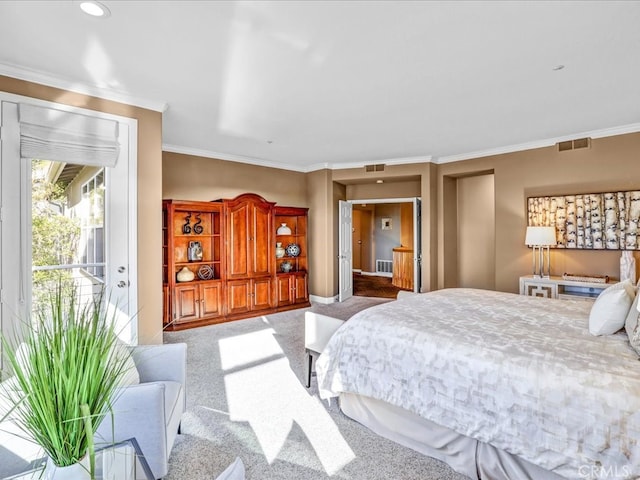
(558, 287)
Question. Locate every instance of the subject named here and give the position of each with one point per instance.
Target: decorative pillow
(631, 325)
(610, 309)
(235, 471)
(130, 374)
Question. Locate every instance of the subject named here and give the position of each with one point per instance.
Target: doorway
(376, 238)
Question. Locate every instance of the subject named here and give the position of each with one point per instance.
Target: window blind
(52, 134)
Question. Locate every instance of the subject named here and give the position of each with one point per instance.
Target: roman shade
(53, 134)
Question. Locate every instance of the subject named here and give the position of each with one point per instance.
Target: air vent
(374, 168)
(574, 144)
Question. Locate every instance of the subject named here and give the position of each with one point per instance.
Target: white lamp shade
(540, 236)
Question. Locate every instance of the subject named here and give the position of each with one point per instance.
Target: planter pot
(78, 471)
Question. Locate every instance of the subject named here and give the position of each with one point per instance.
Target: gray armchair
(151, 410)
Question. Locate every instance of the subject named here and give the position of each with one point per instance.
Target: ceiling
(305, 85)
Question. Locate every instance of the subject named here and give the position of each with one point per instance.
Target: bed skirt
(465, 455)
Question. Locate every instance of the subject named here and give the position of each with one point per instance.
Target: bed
(498, 385)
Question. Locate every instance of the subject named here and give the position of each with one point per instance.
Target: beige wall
(476, 232)
(149, 193)
(611, 164)
(188, 177)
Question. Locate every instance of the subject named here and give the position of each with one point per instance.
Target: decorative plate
(293, 250)
(205, 272)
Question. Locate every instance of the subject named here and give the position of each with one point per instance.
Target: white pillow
(610, 309)
(130, 375)
(235, 471)
(631, 325)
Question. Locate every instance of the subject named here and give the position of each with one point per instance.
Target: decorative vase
(279, 250)
(286, 267)
(185, 275)
(293, 250)
(77, 471)
(627, 267)
(283, 230)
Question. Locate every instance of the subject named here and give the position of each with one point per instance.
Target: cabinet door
(238, 296)
(211, 300)
(284, 290)
(261, 238)
(262, 294)
(186, 303)
(300, 289)
(238, 235)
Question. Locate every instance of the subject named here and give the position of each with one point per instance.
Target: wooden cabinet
(248, 295)
(249, 237)
(292, 289)
(230, 248)
(250, 254)
(193, 240)
(291, 233)
(195, 301)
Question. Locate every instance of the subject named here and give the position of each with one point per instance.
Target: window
(91, 214)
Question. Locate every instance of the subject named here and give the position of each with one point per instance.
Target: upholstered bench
(318, 329)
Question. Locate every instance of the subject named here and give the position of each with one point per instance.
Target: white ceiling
(312, 84)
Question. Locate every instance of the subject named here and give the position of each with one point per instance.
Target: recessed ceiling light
(95, 9)
(557, 67)
(379, 181)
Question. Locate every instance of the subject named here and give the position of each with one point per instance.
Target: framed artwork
(595, 221)
(386, 224)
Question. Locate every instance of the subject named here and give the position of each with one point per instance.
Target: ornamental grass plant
(67, 371)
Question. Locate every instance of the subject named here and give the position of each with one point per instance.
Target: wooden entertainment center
(220, 260)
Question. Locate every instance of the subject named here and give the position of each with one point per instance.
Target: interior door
(345, 261)
(417, 244)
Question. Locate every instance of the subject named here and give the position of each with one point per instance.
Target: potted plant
(67, 371)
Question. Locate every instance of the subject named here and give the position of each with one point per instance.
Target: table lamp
(540, 238)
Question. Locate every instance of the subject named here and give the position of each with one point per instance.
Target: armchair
(151, 410)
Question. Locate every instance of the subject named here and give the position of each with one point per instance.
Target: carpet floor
(246, 398)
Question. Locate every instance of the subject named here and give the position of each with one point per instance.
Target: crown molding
(49, 80)
(230, 157)
(600, 133)
(389, 161)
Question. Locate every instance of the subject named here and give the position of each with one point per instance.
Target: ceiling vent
(574, 144)
(374, 168)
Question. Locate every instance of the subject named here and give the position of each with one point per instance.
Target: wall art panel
(596, 221)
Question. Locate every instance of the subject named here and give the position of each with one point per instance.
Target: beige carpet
(246, 398)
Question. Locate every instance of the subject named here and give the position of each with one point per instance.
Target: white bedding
(520, 373)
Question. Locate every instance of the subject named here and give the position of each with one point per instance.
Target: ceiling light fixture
(95, 9)
(379, 181)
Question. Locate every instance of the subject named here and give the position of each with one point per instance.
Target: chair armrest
(139, 412)
(161, 362)
(318, 329)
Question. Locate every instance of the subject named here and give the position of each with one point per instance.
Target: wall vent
(574, 144)
(374, 168)
(384, 267)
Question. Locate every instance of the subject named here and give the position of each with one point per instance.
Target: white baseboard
(323, 300)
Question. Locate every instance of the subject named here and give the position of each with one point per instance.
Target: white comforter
(520, 373)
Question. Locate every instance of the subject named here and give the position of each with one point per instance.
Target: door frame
(128, 131)
(417, 236)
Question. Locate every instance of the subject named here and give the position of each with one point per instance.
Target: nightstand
(558, 287)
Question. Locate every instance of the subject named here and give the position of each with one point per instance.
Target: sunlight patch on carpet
(269, 396)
